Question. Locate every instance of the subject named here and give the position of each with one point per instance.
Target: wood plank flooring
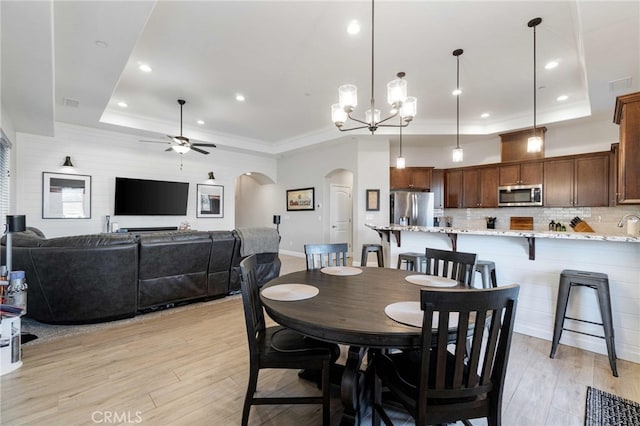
(188, 366)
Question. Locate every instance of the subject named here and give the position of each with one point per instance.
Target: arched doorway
(255, 200)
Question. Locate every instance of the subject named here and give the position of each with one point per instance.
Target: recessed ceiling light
(122, 104)
(457, 92)
(485, 115)
(102, 44)
(240, 97)
(353, 27)
(551, 65)
(200, 122)
(144, 68)
(562, 98)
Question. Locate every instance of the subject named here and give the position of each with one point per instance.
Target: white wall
(304, 169)
(104, 155)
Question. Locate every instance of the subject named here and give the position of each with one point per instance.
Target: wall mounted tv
(136, 197)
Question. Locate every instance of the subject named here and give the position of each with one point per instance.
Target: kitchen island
(535, 260)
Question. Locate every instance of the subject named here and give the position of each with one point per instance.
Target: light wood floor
(188, 366)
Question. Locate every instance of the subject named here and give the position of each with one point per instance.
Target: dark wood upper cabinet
(437, 187)
(480, 187)
(453, 189)
(557, 188)
(412, 178)
(627, 115)
(581, 181)
(520, 174)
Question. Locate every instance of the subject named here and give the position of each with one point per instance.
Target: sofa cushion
(31, 237)
(93, 240)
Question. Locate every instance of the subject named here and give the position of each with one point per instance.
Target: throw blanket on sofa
(258, 240)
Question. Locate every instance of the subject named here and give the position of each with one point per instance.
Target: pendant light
(457, 152)
(400, 163)
(400, 103)
(534, 143)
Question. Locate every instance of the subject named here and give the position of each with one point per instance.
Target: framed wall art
(300, 199)
(66, 196)
(373, 200)
(210, 201)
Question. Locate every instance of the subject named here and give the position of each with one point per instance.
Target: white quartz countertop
(568, 235)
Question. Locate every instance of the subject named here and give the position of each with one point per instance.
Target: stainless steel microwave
(520, 195)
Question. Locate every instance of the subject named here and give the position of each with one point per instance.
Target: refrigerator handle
(415, 207)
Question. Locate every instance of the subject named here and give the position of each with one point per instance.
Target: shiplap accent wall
(538, 280)
(104, 155)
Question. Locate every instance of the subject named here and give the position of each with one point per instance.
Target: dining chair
(451, 264)
(321, 255)
(279, 347)
(444, 381)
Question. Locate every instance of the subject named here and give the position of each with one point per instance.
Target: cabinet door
(453, 189)
(531, 173)
(470, 188)
(437, 187)
(510, 175)
(420, 178)
(592, 181)
(627, 115)
(558, 183)
(399, 178)
(488, 185)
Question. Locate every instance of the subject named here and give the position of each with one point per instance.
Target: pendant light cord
(458, 102)
(400, 136)
(534, 82)
(373, 102)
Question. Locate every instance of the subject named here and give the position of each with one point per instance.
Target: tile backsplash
(603, 220)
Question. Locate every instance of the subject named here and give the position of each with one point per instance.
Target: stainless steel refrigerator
(412, 208)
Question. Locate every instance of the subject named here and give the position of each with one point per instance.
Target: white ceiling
(289, 57)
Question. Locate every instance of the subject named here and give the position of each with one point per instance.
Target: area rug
(605, 409)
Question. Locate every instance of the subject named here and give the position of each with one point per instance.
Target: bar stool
(413, 261)
(369, 248)
(600, 283)
(487, 270)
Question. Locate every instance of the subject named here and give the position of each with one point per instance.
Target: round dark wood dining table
(349, 310)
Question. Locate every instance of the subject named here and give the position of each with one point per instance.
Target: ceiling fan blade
(169, 149)
(153, 141)
(201, 151)
(213, 145)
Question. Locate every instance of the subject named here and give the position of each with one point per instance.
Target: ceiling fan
(181, 144)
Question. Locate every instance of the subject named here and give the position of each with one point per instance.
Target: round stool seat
(413, 261)
(371, 248)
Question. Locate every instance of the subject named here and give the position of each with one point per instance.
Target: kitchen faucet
(627, 216)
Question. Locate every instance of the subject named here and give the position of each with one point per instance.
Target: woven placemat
(605, 409)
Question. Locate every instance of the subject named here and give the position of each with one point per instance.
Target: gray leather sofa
(104, 277)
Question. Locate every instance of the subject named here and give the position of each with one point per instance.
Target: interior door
(340, 214)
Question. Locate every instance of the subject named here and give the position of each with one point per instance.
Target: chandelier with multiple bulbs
(400, 103)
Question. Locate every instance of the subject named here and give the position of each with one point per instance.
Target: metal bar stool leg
(604, 300)
(561, 310)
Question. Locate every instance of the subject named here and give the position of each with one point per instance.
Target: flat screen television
(137, 197)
